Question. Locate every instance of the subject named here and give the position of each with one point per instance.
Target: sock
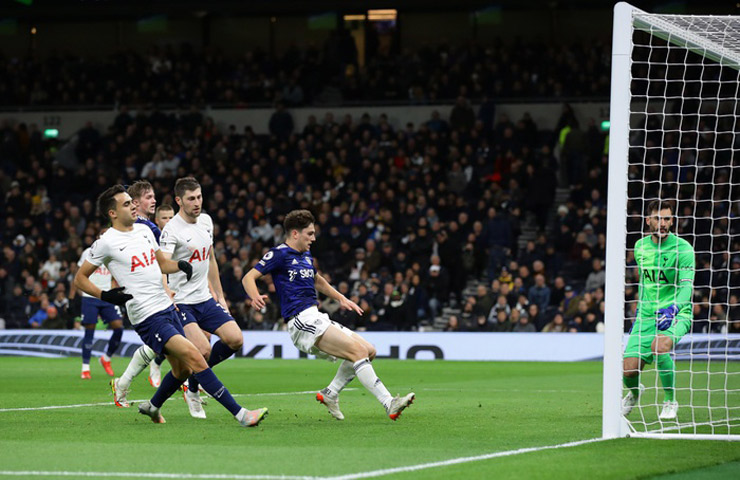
(633, 383)
(85, 367)
(87, 343)
(368, 378)
(159, 360)
(216, 389)
(667, 374)
(105, 357)
(142, 357)
(114, 342)
(219, 352)
(169, 385)
(345, 374)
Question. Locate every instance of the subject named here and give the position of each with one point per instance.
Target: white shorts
(308, 326)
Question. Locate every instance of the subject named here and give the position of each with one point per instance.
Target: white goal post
(675, 135)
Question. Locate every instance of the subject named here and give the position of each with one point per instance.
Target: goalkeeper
(664, 312)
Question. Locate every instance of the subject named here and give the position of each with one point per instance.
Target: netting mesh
(684, 135)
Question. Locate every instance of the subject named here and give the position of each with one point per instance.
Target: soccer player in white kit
(296, 282)
(91, 309)
(189, 237)
(133, 256)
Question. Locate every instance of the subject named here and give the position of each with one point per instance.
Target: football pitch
(469, 420)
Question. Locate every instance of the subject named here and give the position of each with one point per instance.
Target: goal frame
(626, 19)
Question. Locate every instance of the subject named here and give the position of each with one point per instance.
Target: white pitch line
(456, 461)
(101, 404)
(351, 476)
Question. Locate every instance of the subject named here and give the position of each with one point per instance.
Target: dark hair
(298, 220)
(185, 184)
(165, 206)
(107, 200)
(658, 205)
(139, 188)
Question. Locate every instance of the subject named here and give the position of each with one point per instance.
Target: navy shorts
(209, 315)
(92, 308)
(157, 329)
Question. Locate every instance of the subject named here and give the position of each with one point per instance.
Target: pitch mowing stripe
(351, 476)
(101, 404)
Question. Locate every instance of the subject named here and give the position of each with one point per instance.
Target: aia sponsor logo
(144, 261)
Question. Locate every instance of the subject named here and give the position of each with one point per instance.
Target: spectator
(522, 324)
(281, 122)
(437, 288)
(597, 277)
(462, 116)
(539, 293)
(557, 324)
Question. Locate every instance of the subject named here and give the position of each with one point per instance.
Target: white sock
(106, 358)
(142, 357)
(345, 374)
(85, 367)
(368, 378)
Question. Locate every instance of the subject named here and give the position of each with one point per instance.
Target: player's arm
(166, 286)
(82, 282)
(167, 265)
(249, 282)
(685, 278)
(214, 280)
(323, 287)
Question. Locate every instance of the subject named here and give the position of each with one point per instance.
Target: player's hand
(185, 266)
(115, 296)
(258, 303)
(666, 317)
(348, 304)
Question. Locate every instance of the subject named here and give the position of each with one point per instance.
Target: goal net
(674, 137)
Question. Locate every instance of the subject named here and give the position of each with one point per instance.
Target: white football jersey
(131, 259)
(100, 277)
(190, 242)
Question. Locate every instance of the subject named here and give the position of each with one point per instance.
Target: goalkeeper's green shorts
(639, 344)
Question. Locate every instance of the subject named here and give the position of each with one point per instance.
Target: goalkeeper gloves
(666, 317)
(115, 296)
(184, 266)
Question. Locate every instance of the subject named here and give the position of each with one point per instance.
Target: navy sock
(216, 389)
(87, 343)
(169, 385)
(159, 359)
(219, 353)
(114, 342)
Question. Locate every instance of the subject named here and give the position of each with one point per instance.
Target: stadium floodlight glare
(673, 135)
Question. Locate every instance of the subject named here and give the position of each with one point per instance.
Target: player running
(296, 283)
(131, 253)
(189, 237)
(92, 308)
(664, 312)
(142, 195)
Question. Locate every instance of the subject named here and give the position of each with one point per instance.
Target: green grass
(462, 409)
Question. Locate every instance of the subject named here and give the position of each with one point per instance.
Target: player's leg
(212, 317)
(636, 355)
(191, 395)
(89, 314)
(663, 346)
(142, 357)
(338, 343)
(111, 315)
(155, 371)
(165, 334)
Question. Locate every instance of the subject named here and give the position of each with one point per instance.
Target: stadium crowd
(405, 217)
(316, 75)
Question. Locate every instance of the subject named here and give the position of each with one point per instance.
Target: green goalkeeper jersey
(666, 275)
